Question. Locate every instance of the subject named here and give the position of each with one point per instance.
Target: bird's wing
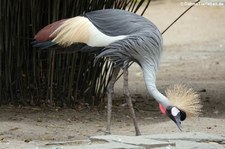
(95, 29)
(115, 22)
(64, 32)
(75, 30)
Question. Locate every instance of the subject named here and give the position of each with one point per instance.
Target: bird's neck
(150, 80)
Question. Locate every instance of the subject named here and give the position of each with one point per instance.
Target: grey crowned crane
(122, 37)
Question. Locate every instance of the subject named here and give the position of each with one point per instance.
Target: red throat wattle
(162, 109)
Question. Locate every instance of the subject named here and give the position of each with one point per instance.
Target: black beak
(177, 120)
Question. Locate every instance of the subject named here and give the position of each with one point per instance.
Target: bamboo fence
(29, 76)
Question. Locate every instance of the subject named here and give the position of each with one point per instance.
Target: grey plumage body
(143, 42)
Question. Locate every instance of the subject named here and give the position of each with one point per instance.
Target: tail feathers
(43, 45)
(73, 48)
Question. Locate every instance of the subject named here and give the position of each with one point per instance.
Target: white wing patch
(81, 30)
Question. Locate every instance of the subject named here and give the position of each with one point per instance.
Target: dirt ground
(194, 54)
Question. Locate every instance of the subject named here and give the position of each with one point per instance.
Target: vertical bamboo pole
(1, 49)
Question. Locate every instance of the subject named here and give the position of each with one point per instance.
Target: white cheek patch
(174, 111)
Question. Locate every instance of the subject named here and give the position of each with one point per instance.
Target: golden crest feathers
(185, 99)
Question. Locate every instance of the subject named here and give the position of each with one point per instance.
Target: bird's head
(184, 101)
(175, 114)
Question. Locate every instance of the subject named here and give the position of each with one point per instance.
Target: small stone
(99, 125)
(71, 137)
(85, 121)
(3, 140)
(127, 124)
(216, 112)
(27, 140)
(39, 120)
(202, 90)
(14, 129)
(206, 100)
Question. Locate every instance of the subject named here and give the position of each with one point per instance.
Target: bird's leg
(129, 99)
(110, 92)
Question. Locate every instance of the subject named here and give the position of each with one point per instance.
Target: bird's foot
(107, 132)
(138, 134)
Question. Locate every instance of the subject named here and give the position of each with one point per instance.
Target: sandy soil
(194, 55)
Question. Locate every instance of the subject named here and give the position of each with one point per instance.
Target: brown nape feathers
(185, 99)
